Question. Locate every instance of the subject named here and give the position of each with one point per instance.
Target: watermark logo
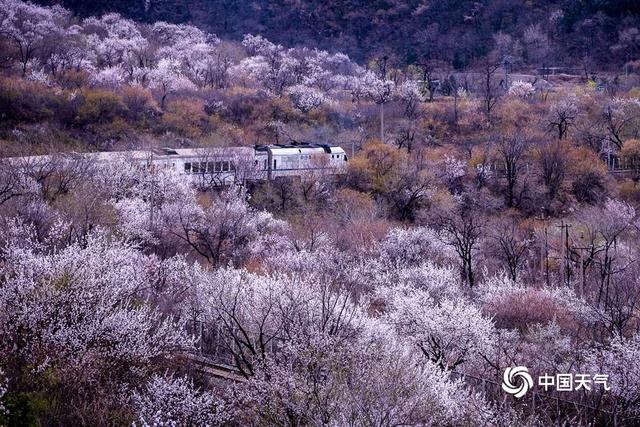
(517, 381)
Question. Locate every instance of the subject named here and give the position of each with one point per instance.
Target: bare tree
(511, 152)
(619, 117)
(510, 246)
(562, 116)
(430, 83)
(603, 230)
(490, 86)
(410, 96)
(553, 167)
(462, 232)
(13, 181)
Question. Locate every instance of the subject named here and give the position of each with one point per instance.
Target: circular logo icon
(517, 381)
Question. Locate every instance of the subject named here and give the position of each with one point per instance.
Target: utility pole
(382, 122)
(546, 255)
(564, 250)
(382, 65)
(544, 250)
(505, 63)
(582, 276)
(581, 250)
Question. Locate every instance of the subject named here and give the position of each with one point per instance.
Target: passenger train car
(222, 166)
(292, 159)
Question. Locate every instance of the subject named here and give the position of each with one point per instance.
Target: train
(220, 166)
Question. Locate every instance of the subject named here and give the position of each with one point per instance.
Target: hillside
(456, 31)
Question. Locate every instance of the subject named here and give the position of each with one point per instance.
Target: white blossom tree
(168, 401)
(449, 332)
(79, 315)
(168, 78)
(521, 89)
(229, 230)
(378, 90)
(28, 27)
(619, 360)
(305, 98)
(115, 41)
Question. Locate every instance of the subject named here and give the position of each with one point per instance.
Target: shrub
(100, 106)
(139, 102)
(185, 118)
(514, 306)
(590, 174)
(24, 101)
(630, 191)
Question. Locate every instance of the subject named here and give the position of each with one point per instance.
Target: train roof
(158, 153)
(296, 147)
(209, 151)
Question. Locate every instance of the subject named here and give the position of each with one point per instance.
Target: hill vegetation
(460, 32)
(488, 216)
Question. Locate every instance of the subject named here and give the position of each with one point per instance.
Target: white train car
(297, 158)
(215, 167)
(212, 167)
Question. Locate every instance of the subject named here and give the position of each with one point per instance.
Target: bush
(105, 135)
(630, 154)
(100, 106)
(514, 306)
(242, 108)
(589, 183)
(140, 104)
(23, 101)
(630, 191)
(185, 118)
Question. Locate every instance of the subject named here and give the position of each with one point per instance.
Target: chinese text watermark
(517, 381)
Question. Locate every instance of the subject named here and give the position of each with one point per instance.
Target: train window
(225, 166)
(274, 163)
(211, 167)
(232, 166)
(195, 167)
(187, 167)
(345, 157)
